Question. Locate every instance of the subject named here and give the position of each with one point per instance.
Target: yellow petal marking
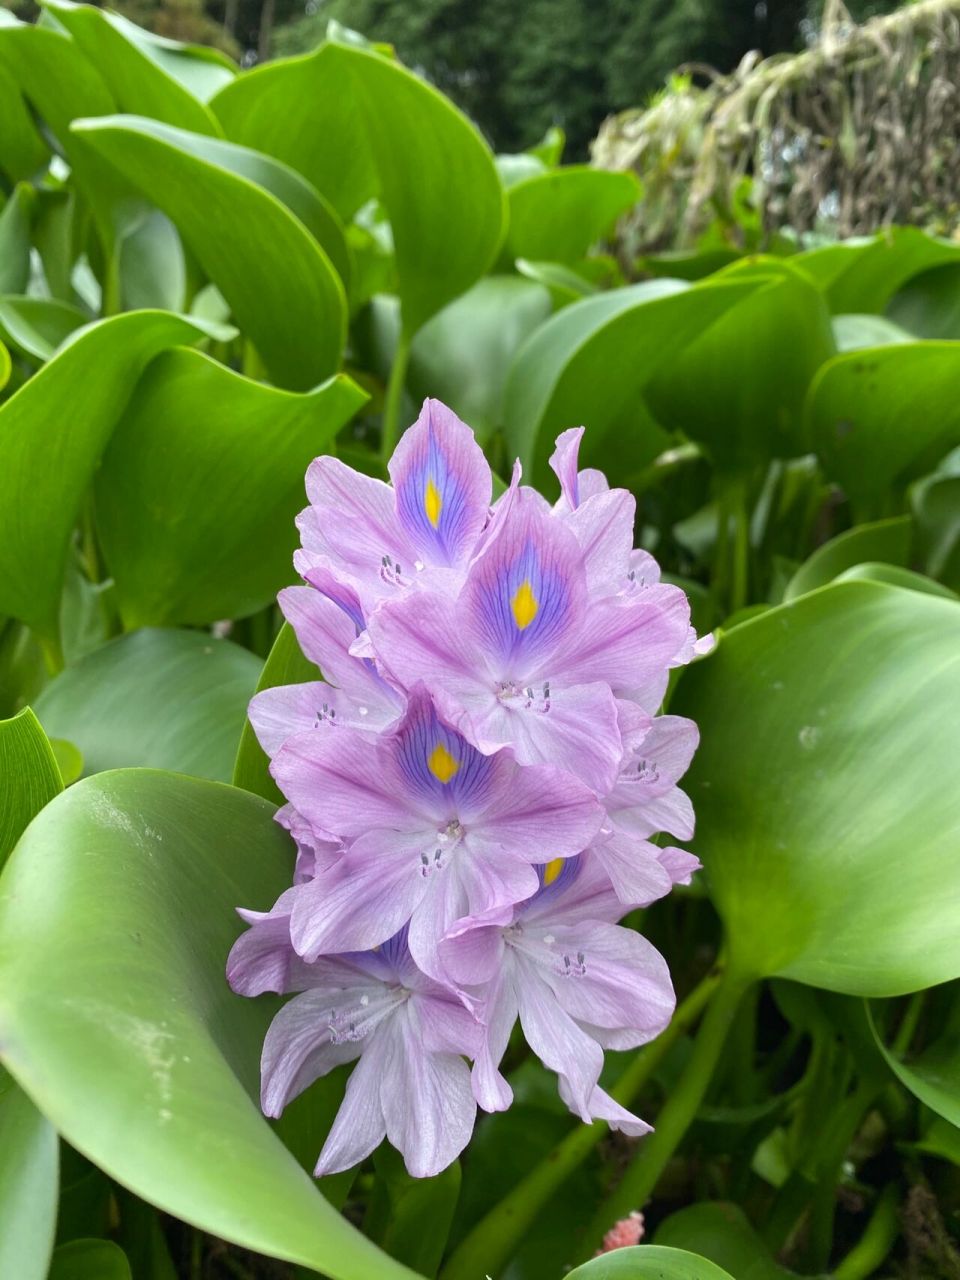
(441, 763)
(552, 870)
(432, 503)
(525, 605)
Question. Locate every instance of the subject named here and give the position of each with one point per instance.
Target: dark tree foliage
(517, 69)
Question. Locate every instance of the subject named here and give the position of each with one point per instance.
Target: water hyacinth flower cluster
(473, 789)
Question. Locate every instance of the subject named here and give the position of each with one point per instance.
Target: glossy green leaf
(862, 274)
(878, 416)
(589, 363)
(894, 576)
(887, 541)
(851, 333)
(89, 1260)
(738, 389)
(28, 1144)
(929, 304)
(200, 485)
(22, 152)
(52, 433)
(649, 1262)
(5, 366)
(62, 84)
(31, 776)
(285, 664)
(462, 354)
(137, 82)
(359, 125)
(69, 760)
(558, 215)
(935, 502)
(28, 1182)
(724, 1234)
(37, 326)
(116, 1017)
(825, 813)
(933, 1076)
(565, 284)
(167, 699)
(15, 240)
(283, 290)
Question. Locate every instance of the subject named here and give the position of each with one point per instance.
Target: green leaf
(166, 699)
(935, 502)
(851, 333)
(738, 388)
(933, 1076)
(893, 575)
(887, 541)
(877, 417)
(462, 354)
(929, 304)
(31, 776)
(558, 215)
(15, 240)
(138, 83)
(825, 814)
(28, 1144)
(37, 326)
(200, 485)
(565, 284)
(28, 1183)
(89, 1260)
(862, 275)
(5, 366)
(724, 1234)
(52, 433)
(282, 288)
(116, 1017)
(285, 664)
(359, 125)
(649, 1262)
(589, 363)
(22, 152)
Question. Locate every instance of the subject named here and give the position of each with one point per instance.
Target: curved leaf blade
(160, 698)
(359, 125)
(825, 813)
(281, 286)
(878, 416)
(52, 433)
(558, 215)
(153, 1078)
(649, 1262)
(590, 362)
(200, 485)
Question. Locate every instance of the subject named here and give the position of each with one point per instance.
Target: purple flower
(382, 539)
(473, 788)
(411, 1084)
(524, 656)
(578, 982)
(433, 830)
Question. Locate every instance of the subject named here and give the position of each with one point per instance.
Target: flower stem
(496, 1236)
(391, 406)
(871, 1250)
(677, 1115)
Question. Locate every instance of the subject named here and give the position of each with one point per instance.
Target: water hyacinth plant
(493, 1002)
(473, 802)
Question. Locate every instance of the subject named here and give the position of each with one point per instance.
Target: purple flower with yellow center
(525, 656)
(432, 830)
(378, 540)
(578, 982)
(411, 1084)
